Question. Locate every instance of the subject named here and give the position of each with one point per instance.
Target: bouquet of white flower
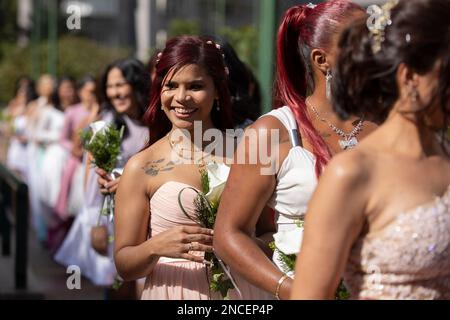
(286, 245)
(103, 141)
(213, 176)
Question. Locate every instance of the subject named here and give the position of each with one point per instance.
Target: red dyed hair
(181, 51)
(304, 28)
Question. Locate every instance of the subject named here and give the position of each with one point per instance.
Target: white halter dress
(296, 182)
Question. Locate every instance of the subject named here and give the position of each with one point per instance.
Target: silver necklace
(350, 140)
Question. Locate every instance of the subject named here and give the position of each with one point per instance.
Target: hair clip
(218, 47)
(311, 5)
(158, 57)
(408, 38)
(379, 19)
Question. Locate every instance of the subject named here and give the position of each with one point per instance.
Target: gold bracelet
(280, 282)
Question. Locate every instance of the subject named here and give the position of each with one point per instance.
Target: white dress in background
(296, 182)
(35, 154)
(16, 158)
(54, 156)
(77, 248)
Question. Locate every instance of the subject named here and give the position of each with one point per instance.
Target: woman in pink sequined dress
(381, 213)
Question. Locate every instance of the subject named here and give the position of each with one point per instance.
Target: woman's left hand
(106, 184)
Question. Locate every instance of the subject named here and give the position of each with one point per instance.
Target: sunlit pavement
(46, 279)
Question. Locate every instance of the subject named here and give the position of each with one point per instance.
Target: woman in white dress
(38, 115)
(381, 214)
(124, 86)
(309, 133)
(16, 158)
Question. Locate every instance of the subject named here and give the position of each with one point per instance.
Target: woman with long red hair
(309, 133)
(153, 237)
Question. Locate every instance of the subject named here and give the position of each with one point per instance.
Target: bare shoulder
(349, 168)
(135, 165)
(267, 122)
(268, 128)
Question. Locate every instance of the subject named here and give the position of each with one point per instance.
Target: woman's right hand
(180, 242)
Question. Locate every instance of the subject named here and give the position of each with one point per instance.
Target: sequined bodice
(408, 259)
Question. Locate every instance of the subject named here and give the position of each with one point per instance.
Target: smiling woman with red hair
(154, 238)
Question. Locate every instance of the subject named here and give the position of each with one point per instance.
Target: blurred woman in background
(16, 158)
(124, 89)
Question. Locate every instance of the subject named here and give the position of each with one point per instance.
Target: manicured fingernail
(207, 262)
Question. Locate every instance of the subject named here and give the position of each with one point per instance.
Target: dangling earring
(162, 107)
(413, 94)
(328, 78)
(217, 105)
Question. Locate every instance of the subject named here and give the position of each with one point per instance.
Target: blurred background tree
(8, 27)
(77, 56)
(244, 39)
(179, 27)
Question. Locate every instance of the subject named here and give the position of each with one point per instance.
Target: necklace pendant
(348, 144)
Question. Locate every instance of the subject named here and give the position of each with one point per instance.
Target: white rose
(97, 127)
(217, 175)
(289, 241)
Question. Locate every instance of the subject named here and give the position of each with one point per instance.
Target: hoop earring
(328, 78)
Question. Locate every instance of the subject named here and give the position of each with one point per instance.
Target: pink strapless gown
(179, 279)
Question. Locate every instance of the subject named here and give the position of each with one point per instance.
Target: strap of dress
(287, 118)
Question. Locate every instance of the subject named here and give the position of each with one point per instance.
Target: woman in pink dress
(74, 115)
(153, 237)
(380, 215)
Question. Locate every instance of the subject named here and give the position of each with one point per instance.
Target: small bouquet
(287, 244)
(213, 178)
(103, 142)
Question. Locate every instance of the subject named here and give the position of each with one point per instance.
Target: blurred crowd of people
(359, 200)
(45, 120)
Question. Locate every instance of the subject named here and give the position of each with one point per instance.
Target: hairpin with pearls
(158, 57)
(378, 21)
(218, 47)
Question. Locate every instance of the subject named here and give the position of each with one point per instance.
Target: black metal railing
(14, 211)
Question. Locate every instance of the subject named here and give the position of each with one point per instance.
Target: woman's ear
(407, 80)
(319, 60)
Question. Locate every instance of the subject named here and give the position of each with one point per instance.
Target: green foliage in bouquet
(104, 146)
(206, 213)
(288, 265)
(287, 260)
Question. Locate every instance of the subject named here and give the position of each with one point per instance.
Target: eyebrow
(197, 81)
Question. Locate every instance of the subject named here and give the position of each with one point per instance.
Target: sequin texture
(408, 259)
